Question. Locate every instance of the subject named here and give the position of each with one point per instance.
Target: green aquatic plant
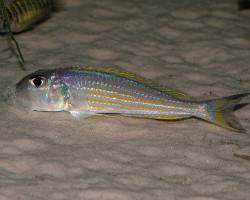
(6, 18)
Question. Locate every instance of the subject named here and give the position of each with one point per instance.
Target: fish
(87, 92)
(24, 14)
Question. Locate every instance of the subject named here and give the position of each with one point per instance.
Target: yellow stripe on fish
(144, 80)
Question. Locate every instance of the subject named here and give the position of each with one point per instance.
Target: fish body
(92, 91)
(23, 14)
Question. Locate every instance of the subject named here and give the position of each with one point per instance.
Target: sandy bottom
(200, 47)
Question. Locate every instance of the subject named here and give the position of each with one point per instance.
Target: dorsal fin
(128, 74)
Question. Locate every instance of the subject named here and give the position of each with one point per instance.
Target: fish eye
(37, 80)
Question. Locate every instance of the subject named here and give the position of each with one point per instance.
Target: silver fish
(93, 91)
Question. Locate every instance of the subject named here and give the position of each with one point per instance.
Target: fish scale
(93, 91)
(110, 93)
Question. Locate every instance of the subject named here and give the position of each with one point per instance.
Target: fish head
(41, 91)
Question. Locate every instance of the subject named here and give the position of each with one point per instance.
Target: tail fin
(219, 112)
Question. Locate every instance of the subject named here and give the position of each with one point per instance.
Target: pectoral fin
(85, 115)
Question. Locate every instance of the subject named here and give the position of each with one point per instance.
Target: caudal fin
(220, 112)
